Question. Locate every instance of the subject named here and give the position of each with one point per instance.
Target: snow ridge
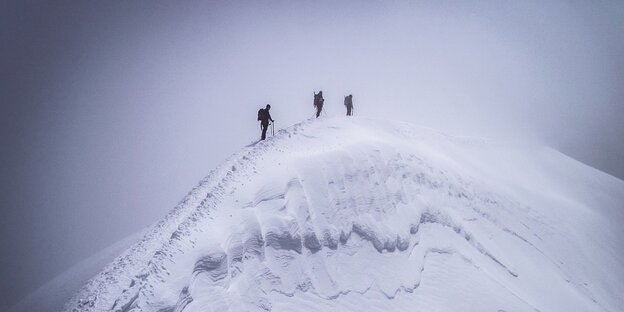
(352, 213)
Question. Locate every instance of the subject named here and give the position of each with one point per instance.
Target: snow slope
(53, 295)
(368, 215)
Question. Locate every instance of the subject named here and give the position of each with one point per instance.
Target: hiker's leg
(264, 130)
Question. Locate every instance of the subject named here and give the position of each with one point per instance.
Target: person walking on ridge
(264, 116)
(348, 102)
(318, 103)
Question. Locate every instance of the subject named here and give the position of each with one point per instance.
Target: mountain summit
(354, 214)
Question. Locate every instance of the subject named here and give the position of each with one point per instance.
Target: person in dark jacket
(264, 116)
(348, 102)
(318, 103)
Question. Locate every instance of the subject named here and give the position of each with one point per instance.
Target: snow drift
(368, 215)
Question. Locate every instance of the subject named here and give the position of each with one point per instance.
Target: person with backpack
(348, 102)
(318, 103)
(264, 116)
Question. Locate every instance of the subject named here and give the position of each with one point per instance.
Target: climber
(264, 116)
(318, 103)
(348, 102)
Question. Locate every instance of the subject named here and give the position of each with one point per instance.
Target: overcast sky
(112, 110)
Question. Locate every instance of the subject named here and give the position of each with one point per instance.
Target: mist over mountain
(110, 111)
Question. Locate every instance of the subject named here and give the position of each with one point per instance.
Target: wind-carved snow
(359, 214)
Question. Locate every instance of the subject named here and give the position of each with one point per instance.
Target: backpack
(261, 114)
(318, 99)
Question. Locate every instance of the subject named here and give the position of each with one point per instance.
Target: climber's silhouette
(318, 102)
(348, 102)
(264, 116)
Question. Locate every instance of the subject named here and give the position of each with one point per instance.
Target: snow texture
(354, 214)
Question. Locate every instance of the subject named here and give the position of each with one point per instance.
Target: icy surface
(367, 215)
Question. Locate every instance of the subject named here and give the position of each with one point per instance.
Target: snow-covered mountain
(353, 214)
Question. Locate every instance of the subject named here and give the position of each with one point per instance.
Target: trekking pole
(273, 128)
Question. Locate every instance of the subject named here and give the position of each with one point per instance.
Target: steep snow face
(367, 215)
